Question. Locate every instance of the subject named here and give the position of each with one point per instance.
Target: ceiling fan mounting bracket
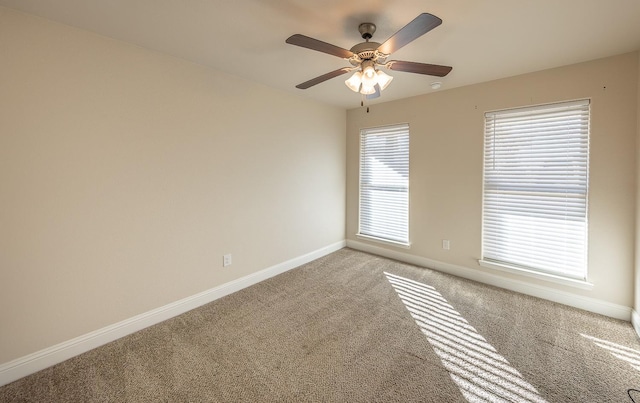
(367, 29)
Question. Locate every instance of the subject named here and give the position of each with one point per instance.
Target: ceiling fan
(367, 58)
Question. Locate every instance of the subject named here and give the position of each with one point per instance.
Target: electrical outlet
(446, 245)
(226, 260)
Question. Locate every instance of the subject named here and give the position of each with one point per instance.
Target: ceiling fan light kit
(365, 81)
(368, 57)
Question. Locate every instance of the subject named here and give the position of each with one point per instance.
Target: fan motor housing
(365, 50)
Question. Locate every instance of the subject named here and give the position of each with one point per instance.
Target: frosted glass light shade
(369, 77)
(354, 81)
(383, 79)
(368, 73)
(368, 89)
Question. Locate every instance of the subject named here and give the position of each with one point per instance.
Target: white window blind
(536, 166)
(384, 183)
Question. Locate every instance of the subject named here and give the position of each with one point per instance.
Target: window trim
(553, 278)
(383, 241)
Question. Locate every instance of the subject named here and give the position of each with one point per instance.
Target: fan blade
(314, 44)
(422, 24)
(375, 94)
(420, 68)
(323, 78)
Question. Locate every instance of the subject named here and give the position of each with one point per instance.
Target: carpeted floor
(353, 327)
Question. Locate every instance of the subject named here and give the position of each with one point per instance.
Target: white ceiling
(482, 40)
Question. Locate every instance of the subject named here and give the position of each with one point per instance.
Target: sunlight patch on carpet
(621, 352)
(481, 373)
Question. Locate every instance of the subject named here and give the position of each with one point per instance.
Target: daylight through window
(384, 183)
(536, 166)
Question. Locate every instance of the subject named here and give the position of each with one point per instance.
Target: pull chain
(362, 102)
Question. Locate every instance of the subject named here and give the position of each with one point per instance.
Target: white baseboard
(635, 321)
(523, 287)
(47, 357)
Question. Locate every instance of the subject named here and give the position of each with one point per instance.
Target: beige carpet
(353, 327)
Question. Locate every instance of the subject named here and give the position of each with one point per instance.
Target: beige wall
(446, 143)
(636, 304)
(126, 175)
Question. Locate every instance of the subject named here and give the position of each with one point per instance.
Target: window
(536, 165)
(384, 183)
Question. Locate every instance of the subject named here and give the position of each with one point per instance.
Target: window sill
(384, 241)
(582, 284)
